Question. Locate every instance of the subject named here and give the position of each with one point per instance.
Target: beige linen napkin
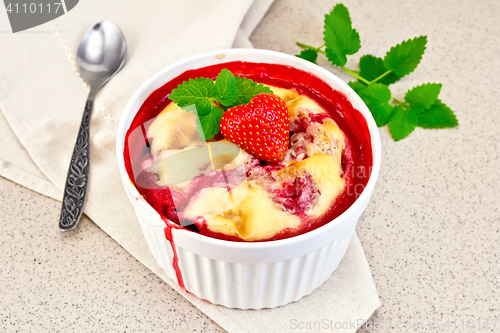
(42, 99)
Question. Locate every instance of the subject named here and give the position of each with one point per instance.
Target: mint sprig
(437, 116)
(376, 96)
(340, 38)
(421, 98)
(403, 121)
(403, 58)
(211, 98)
(373, 69)
(209, 123)
(421, 106)
(226, 88)
(247, 89)
(309, 55)
(195, 92)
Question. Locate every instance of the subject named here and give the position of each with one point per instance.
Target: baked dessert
(220, 190)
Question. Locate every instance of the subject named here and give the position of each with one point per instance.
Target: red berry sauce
(357, 158)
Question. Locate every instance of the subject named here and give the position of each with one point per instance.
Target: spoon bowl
(101, 54)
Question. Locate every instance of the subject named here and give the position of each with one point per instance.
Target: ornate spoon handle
(77, 180)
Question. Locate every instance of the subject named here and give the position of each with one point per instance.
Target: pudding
(219, 190)
(224, 269)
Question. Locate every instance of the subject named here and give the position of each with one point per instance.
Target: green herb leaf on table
(226, 88)
(423, 97)
(372, 68)
(247, 89)
(437, 116)
(376, 96)
(340, 38)
(402, 123)
(421, 106)
(309, 55)
(403, 58)
(356, 86)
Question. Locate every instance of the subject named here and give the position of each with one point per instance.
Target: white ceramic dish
(248, 275)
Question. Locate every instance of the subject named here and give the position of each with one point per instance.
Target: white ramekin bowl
(247, 275)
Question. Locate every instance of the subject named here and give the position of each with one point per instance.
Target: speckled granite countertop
(431, 232)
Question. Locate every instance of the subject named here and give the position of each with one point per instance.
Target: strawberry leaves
(210, 98)
(421, 106)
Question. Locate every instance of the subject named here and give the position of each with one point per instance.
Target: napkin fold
(42, 98)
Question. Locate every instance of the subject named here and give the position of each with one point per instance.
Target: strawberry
(260, 127)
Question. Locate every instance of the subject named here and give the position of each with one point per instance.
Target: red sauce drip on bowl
(357, 159)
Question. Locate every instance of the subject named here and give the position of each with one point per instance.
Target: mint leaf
(340, 38)
(309, 55)
(438, 116)
(381, 113)
(376, 96)
(423, 97)
(195, 91)
(402, 122)
(372, 67)
(403, 58)
(226, 87)
(356, 85)
(203, 107)
(247, 89)
(210, 123)
(421, 106)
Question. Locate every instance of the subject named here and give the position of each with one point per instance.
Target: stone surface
(78, 281)
(431, 231)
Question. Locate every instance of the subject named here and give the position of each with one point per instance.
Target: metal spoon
(101, 54)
